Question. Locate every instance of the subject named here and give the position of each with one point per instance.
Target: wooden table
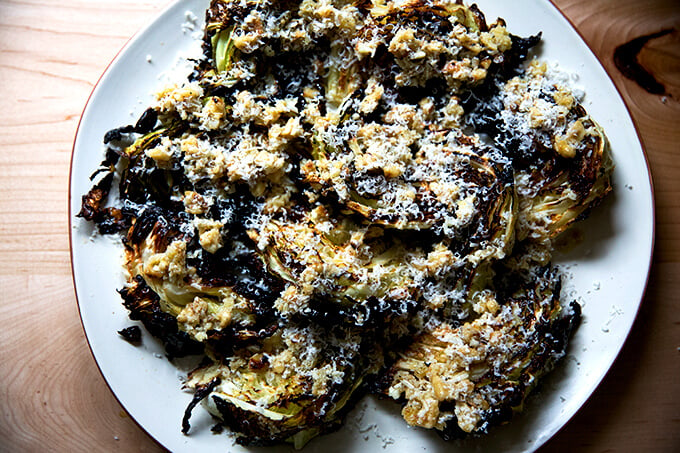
(52, 397)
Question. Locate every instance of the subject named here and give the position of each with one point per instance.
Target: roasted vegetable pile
(313, 211)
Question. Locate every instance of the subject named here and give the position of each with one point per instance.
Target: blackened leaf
(147, 121)
(93, 200)
(115, 135)
(198, 396)
(132, 334)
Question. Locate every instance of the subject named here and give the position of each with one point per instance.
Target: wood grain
(52, 396)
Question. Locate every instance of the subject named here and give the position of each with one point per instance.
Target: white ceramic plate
(607, 272)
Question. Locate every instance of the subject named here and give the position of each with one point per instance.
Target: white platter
(607, 272)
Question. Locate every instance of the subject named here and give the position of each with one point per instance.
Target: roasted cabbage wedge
(291, 386)
(465, 377)
(561, 156)
(312, 211)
